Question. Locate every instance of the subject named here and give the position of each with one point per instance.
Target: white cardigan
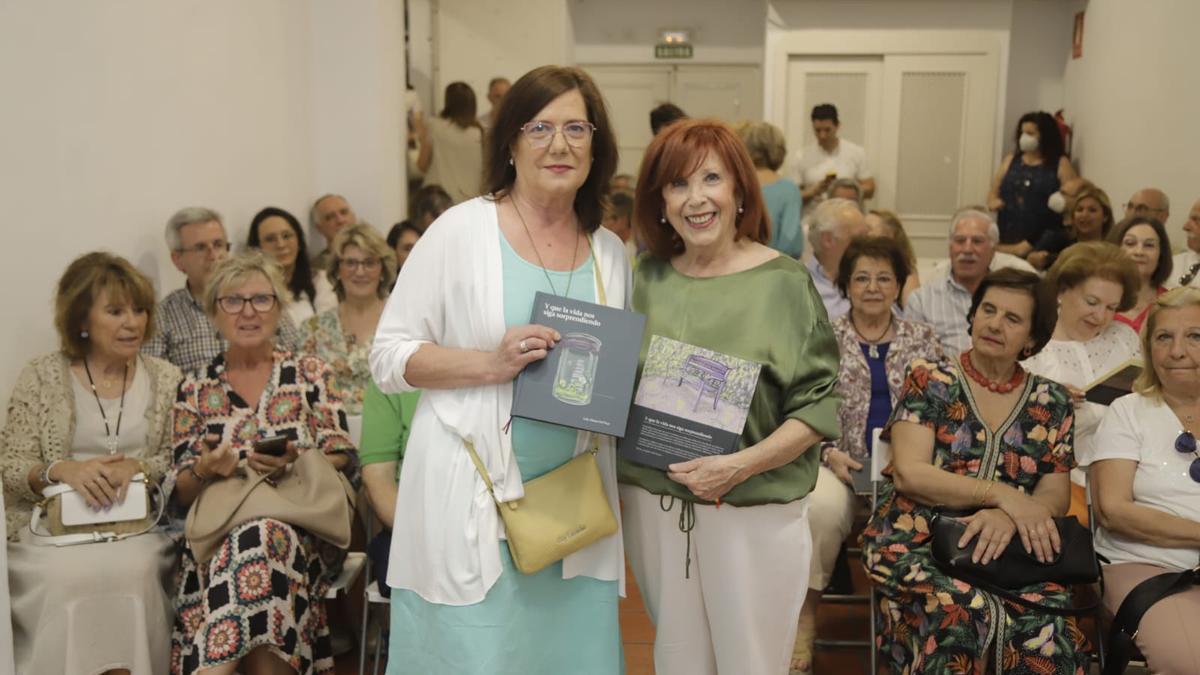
(445, 543)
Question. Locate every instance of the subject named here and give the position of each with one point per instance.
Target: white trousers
(831, 512)
(736, 611)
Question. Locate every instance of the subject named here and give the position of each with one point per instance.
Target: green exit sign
(672, 51)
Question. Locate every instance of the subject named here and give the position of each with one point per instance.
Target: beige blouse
(41, 424)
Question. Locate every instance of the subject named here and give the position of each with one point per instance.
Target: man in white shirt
(944, 302)
(497, 88)
(831, 158)
(835, 222)
(1186, 270)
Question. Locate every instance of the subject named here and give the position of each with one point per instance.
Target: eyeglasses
(260, 302)
(203, 249)
(366, 264)
(541, 134)
(277, 238)
(1142, 208)
(1185, 444)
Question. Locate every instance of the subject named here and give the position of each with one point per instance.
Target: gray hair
(848, 183)
(825, 218)
(236, 270)
(980, 212)
(312, 210)
(191, 215)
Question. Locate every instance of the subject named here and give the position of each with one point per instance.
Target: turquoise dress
(529, 624)
(785, 204)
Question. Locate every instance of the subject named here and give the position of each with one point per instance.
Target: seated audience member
(976, 432)
(1028, 189)
(183, 334)
(278, 234)
(664, 114)
(387, 421)
(428, 203)
(876, 348)
(1094, 280)
(884, 223)
(618, 219)
(256, 606)
(90, 416)
(452, 145)
(401, 239)
(767, 147)
(329, 214)
(1150, 202)
(829, 157)
(1145, 241)
(846, 188)
(623, 182)
(1089, 217)
(1186, 265)
(834, 223)
(1144, 483)
(943, 303)
(362, 271)
(497, 88)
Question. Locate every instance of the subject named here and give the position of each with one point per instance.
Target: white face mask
(1028, 143)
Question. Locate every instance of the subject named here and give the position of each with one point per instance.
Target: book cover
(586, 380)
(691, 402)
(1115, 383)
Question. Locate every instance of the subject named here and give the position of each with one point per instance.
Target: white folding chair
(881, 456)
(351, 568)
(7, 664)
(372, 596)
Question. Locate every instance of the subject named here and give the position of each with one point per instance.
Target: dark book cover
(586, 380)
(691, 402)
(1115, 383)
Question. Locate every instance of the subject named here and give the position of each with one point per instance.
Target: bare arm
(1112, 499)
(437, 367)
(1068, 179)
(709, 478)
(380, 481)
(993, 198)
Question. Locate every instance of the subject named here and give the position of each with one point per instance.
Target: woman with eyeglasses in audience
(1093, 280)
(884, 223)
(1145, 241)
(278, 234)
(460, 332)
(256, 607)
(976, 432)
(1145, 483)
(876, 347)
(90, 416)
(362, 269)
(1089, 217)
(451, 153)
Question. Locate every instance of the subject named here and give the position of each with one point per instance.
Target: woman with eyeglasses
(362, 268)
(257, 605)
(1145, 482)
(460, 332)
(451, 153)
(278, 234)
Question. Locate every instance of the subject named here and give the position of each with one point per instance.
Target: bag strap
(487, 479)
(249, 487)
(1135, 605)
(47, 539)
(600, 294)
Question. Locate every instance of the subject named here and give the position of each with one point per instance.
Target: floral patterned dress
(931, 622)
(265, 585)
(322, 337)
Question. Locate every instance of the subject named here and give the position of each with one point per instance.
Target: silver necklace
(542, 263)
(872, 345)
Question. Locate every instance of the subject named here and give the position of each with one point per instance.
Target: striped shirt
(943, 304)
(835, 303)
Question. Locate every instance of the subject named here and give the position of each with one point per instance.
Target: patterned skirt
(264, 588)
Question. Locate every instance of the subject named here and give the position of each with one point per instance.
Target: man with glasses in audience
(1150, 202)
(328, 215)
(1186, 268)
(184, 335)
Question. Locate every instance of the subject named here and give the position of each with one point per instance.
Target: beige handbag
(69, 520)
(312, 495)
(562, 512)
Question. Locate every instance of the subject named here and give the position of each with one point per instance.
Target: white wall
(1133, 99)
(116, 114)
(625, 31)
(1039, 50)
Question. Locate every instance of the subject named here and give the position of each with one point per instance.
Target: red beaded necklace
(1018, 376)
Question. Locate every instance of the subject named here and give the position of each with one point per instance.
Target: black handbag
(1076, 562)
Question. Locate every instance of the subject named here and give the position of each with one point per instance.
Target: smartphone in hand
(276, 446)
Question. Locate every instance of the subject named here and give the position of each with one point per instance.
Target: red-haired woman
(711, 576)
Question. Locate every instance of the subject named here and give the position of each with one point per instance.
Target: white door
(938, 129)
(852, 83)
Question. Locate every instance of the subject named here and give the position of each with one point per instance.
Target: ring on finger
(522, 346)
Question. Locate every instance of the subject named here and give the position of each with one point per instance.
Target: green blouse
(770, 314)
(387, 420)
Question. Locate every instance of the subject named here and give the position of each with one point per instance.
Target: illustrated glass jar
(577, 368)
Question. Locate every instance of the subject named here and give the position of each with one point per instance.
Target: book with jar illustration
(691, 402)
(586, 381)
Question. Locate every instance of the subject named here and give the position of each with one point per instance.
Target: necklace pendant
(111, 443)
(873, 351)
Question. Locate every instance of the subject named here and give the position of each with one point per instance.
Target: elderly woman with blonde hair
(767, 147)
(256, 605)
(362, 269)
(90, 416)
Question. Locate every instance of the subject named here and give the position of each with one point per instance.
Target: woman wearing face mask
(1095, 280)
(1027, 180)
(1145, 241)
(1089, 217)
